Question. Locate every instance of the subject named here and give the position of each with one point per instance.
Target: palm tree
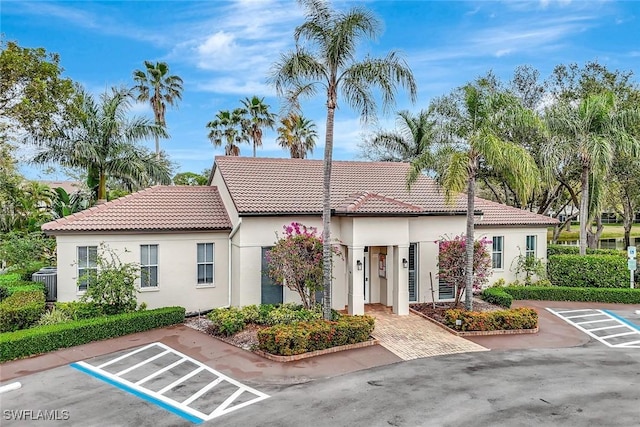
(329, 61)
(479, 124)
(103, 141)
(414, 137)
(298, 135)
(588, 134)
(258, 118)
(227, 128)
(158, 87)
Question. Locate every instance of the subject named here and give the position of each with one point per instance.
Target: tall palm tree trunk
(157, 138)
(102, 188)
(326, 212)
(468, 276)
(584, 209)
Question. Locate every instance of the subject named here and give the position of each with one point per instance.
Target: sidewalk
(239, 364)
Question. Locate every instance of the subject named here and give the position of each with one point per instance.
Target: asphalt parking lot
(152, 385)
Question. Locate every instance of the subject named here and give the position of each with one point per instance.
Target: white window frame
(146, 266)
(205, 263)
(496, 252)
(531, 252)
(84, 265)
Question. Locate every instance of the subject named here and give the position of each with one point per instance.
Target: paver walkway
(412, 337)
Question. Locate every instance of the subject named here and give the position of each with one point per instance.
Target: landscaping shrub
(302, 337)
(53, 317)
(515, 318)
(21, 310)
(574, 250)
(6, 279)
(4, 292)
(227, 321)
(291, 313)
(42, 339)
(78, 310)
(558, 293)
(497, 296)
(592, 271)
(22, 285)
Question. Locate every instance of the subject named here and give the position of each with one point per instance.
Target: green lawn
(611, 231)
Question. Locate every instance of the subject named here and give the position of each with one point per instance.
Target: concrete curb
(477, 333)
(307, 355)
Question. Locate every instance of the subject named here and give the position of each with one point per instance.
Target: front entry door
(366, 282)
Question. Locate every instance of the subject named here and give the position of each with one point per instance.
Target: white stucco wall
(177, 271)
(514, 244)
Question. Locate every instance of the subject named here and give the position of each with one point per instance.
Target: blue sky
(224, 49)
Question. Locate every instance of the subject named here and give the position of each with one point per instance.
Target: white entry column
(401, 280)
(356, 280)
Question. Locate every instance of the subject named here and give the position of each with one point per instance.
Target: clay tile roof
(498, 214)
(158, 208)
(376, 203)
(279, 186)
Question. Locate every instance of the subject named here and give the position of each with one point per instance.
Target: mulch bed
(437, 313)
(246, 339)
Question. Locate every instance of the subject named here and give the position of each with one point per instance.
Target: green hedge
(21, 309)
(497, 296)
(574, 250)
(588, 271)
(558, 293)
(42, 339)
(515, 318)
(303, 337)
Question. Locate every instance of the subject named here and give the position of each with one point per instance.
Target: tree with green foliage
(475, 117)
(414, 137)
(157, 86)
(588, 134)
(298, 135)
(104, 142)
(226, 129)
(325, 58)
(34, 96)
(256, 117)
(190, 178)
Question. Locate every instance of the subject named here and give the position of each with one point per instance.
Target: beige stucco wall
(218, 181)
(177, 274)
(514, 245)
(252, 235)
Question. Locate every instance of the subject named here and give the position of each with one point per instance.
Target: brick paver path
(412, 337)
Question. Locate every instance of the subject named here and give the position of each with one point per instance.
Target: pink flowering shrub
(452, 263)
(296, 261)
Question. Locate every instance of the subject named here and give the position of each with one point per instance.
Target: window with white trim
(148, 266)
(87, 266)
(205, 263)
(497, 252)
(531, 246)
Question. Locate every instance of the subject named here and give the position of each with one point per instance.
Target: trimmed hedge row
(21, 309)
(559, 293)
(574, 250)
(303, 337)
(589, 271)
(42, 339)
(497, 296)
(515, 318)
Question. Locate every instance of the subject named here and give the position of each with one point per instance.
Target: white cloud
(233, 85)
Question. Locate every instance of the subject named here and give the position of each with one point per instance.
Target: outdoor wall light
(405, 263)
(359, 264)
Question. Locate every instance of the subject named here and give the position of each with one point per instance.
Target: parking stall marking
(619, 333)
(179, 405)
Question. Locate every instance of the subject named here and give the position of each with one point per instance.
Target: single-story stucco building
(204, 247)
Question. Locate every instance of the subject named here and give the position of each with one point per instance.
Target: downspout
(233, 233)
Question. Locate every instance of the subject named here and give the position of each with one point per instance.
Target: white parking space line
(620, 327)
(199, 405)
